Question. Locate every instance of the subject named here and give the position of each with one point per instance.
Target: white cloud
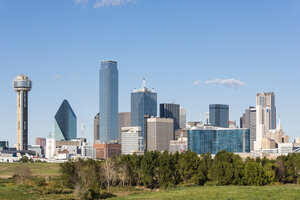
(197, 82)
(80, 1)
(227, 82)
(57, 76)
(108, 3)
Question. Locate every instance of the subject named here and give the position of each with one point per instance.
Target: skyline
(191, 60)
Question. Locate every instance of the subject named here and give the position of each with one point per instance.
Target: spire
(279, 125)
(144, 83)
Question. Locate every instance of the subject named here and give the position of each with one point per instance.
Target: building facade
(109, 101)
(182, 118)
(219, 115)
(106, 151)
(97, 128)
(172, 111)
(143, 103)
(215, 139)
(131, 140)
(160, 133)
(65, 122)
(22, 85)
(248, 120)
(124, 121)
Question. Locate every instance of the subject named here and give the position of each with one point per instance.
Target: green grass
(289, 192)
(38, 169)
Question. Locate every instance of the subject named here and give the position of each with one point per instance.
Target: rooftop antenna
(82, 128)
(144, 83)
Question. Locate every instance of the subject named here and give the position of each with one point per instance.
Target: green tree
(254, 173)
(149, 169)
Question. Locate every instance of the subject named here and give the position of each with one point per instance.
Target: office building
(160, 133)
(106, 151)
(143, 103)
(172, 111)
(97, 128)
(209, 139)
(248, 121)
(182, 118)
(178, 145)
(219, 115)
(131, 140)
(3, 145)
(109, 101)
(65, 122)
(124, 121)
(41, 142)
(265, 116)
(22, 85)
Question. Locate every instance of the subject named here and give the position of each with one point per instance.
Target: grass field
(38, 169)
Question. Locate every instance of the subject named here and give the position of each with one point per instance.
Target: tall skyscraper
(65, 122)
(97, 128)
(143, 102)
(219, 115)
(109, 102)
(248, 121)
(182, 118)
(124, 121)
(22, 85)
(265, 116)
(170, 110)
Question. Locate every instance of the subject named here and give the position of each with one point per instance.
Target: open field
(38, 169)
(290, 192)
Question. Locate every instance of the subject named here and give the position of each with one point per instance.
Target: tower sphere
(22, 82)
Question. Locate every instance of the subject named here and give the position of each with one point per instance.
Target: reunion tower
(22, 85)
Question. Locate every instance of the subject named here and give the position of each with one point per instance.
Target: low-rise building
(132, 141)
(105, 151)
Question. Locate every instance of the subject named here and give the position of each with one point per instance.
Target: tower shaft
(22, 120)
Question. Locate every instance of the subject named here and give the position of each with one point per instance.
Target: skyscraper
(22, 85)
(265, 116)
(124, 121)
(109, 102)
(65, 122)
(170, 110)
(248, 120)
(97, 128)
(143, 102)
(182, 118)
(219, 115)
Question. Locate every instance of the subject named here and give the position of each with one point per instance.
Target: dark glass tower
(65, 123)
(219, 115)
(109, 102)
(143, 103)
(170, 110)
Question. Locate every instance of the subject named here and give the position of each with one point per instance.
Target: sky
(193, 52)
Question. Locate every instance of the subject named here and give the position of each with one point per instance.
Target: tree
(254, 173)
(149, 169)
(23, 174)
(109, 172)
(166, 170)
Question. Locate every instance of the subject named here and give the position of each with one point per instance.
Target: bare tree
(23, 173)
(109, 172)
(123, 174)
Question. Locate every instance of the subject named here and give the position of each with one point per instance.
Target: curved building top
(22, 82)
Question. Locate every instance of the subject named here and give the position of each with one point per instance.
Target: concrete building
(106, 151)
(41, 142)
(38, 149)
(22, 85)
(181, 133)
(160, 133)
(179, 145)
(124, 121)
(171, 111)
(132, 140)
(267, 143)
(286, 148)
(65, 122)
(232, 124)
(219, 115)
(143, 104)
(248, 120)
(109, 101)
(50, 148)
(182, 118)
(297, 140)
(97, 128)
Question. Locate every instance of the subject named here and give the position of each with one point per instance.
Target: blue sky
(180, 47)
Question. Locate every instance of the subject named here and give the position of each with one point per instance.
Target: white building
(182, 118)
(50, 148)
(132, 141)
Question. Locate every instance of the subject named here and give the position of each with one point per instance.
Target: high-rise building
(172, 111)
(109, 102)
(265, 116)
(124, 121)
(160, 133)
(209, 139)
(182, 118)
(65, 122)
(219, 115)
(97, 128)
(22, 85)
(131, 140)
(248, 120)
(143, 103)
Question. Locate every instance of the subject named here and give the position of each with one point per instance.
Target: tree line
(166, 170)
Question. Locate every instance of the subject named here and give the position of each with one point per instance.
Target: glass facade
(109, 101)
(171, 111)
(215, 140)
(65, 123)
(219, 115)
(143, 102)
